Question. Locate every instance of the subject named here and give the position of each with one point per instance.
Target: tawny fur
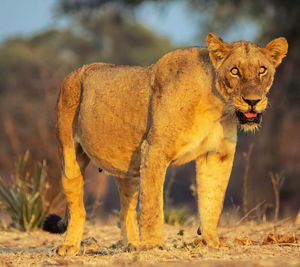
(134, 122)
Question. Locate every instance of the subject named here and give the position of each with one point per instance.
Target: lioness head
(244, 75)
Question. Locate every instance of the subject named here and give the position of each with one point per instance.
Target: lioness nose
(251, 102)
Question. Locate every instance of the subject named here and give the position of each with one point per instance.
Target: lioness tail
(55, 224)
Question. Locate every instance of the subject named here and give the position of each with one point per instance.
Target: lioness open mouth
(250, 117)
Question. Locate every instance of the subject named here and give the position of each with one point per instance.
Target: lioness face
(244, 75)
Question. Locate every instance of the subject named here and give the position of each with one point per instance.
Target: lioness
(134, 122)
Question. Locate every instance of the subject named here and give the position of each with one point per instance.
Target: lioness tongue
(250, 115)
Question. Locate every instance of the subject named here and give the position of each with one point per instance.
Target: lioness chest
(203, 139)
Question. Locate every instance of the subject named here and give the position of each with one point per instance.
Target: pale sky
(26, 17)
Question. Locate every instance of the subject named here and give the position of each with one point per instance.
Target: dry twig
(245, 179)
(277, 182)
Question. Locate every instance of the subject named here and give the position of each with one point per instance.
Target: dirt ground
(244, 245)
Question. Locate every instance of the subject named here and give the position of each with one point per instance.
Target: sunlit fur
(133, 122)
(252, 127)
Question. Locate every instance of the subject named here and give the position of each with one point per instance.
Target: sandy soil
(245, 245)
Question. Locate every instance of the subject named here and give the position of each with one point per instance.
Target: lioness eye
(235, 71)
(262, 70)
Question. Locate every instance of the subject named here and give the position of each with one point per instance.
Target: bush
(25, 198)
(175, 216)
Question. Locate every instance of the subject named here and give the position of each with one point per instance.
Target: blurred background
(42, 41)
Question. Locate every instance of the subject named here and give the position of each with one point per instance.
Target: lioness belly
(113, 117)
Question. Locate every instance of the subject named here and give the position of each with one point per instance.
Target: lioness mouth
(248, 117)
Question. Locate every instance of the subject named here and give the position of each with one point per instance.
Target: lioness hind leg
(128, 190)
(75, 162)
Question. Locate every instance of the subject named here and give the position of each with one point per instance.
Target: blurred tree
(75, 6)
(32, 69)
(121, 39)
(276, 144)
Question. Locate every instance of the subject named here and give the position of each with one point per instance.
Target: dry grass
(248, 245)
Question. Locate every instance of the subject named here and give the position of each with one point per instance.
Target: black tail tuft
(54, 224)
(199, 231)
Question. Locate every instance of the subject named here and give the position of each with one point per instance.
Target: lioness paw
(130, 248)
(67, 250)
(148, 246)
(211, 242)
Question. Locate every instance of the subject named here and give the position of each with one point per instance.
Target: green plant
(25, 198)
(181, 232)
(179, 242)
(175, 216)
(117, 213)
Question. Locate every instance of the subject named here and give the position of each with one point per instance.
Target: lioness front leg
(153, 169)
(213, 173)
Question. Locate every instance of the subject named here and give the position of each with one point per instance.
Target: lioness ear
(277, 50)
(216, 47)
